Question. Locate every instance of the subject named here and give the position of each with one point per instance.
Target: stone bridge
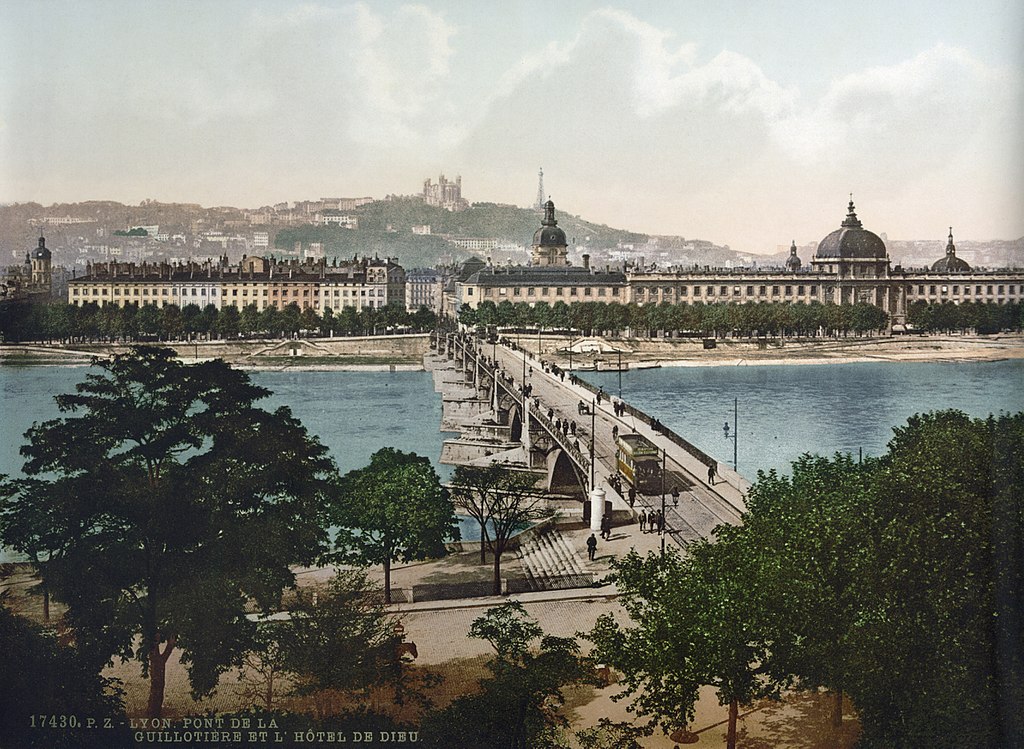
(510, 408)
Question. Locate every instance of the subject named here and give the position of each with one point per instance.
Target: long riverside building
(265, 282)
(850, 265)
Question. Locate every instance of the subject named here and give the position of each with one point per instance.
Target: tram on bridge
(638, 460)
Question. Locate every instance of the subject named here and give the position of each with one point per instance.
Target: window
(945, 289)
(558, 291)
(775, 290)
(502, 291)
(789, 291)
(588, 291)
(469, 291)
(573, 291)
(762, 290)
(920, 289)
(615, 290)
(750, 291)
(1000, 289)
(544, 291)
(735, 290)
(931, 289)
(531, 291)
(711, 291)
(696, 290)
(517, 291)
(814, 291)
(799, 290)
(724, 290)
(601, 291)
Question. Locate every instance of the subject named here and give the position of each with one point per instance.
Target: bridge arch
(563, 476)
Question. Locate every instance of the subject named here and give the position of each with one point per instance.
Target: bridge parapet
(577, 456)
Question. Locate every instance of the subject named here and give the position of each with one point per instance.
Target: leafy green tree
(810, 540)
(502, 501)
(149, 320)
(249, 320)
(694, 626)
(398, 510)
(228, 322)
(45, 677)
(338, 637)
(518, 706)
(168, 502)
(941, 645)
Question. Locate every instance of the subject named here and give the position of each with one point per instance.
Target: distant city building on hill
(445, 194)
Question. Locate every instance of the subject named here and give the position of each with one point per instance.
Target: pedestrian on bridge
(660, 520)
(615, 432)
(643, 518)
(606, 527)
(591, 547)
(675, 496)
(632, 496)
(711, 475)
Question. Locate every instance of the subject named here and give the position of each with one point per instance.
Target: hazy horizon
(740, 123)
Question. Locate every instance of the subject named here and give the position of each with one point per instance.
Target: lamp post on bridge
(593, 441)
(735, 432)
(663, 524)
(619, 368)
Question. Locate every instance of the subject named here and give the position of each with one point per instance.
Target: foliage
(399, 510)
(517, 706)
(167, 501)
(899, 581)
(502, 501)
(91, 322)
(694, 627)
(44, 677)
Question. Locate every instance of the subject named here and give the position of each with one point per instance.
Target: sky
(743, 123)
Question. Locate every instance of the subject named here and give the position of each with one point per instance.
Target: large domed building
(858, 261)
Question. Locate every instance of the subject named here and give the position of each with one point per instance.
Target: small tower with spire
(793, 262)
(42, 272)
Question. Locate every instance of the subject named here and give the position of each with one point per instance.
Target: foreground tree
(694, 626)
(502, 501)
(394, 509)
(517, 707)
(167, 501)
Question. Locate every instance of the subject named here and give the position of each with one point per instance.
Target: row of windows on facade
(213, 292)
(800, 290)
(545, 291)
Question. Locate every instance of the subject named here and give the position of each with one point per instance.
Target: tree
(502, 501)
(517, 706)
(810, 539)
(695, 626)
(168, 501)
(398, 511)
(46, 677)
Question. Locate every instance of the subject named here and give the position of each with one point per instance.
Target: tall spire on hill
(539, 205)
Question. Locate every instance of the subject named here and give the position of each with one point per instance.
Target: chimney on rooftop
(586, 261)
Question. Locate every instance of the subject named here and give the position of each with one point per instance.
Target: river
(784, 411)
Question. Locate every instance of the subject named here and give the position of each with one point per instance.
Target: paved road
(701, 507)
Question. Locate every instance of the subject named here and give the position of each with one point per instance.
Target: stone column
(596, 508)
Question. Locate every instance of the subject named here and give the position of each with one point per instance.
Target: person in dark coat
(711, 475)
(606, 528)
(675, 496)
(632, 495)
(643, 521)
(591, 547)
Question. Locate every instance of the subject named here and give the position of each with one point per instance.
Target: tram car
(639, 462)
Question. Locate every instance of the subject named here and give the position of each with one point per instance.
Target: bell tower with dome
(549, 245)
(858, 260)
(40, 261)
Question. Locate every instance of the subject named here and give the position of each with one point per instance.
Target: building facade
(263, 282)
(850, 265)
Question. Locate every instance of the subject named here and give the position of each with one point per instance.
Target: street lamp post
(735, 432)
(662, 523)
(620, 373)
(593, 441)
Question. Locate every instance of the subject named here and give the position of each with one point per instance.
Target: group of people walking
(653, 522)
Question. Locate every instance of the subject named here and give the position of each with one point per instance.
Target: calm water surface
(785, 411)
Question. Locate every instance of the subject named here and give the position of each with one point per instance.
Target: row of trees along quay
(761, 318)
(132, 322)
(164, 506)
